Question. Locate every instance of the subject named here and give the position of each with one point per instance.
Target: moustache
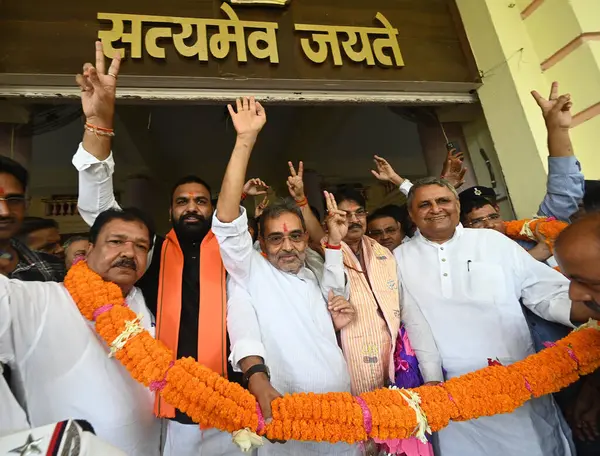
(125, 263)
(593, 305)
(7, 220)
(198, 217)
(288, 253)
(354, 225)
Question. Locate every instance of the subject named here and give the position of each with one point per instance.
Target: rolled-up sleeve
(242, 325)
(235, 243)
(564, 189)
(96, 192)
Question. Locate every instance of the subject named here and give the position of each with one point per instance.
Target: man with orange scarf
(369, 342)
(184, 286)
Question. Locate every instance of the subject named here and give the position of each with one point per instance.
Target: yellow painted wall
(528, 45)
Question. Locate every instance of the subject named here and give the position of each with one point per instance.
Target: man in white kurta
(283, 318)
(278, 317)
(468, 287)
(61, 367)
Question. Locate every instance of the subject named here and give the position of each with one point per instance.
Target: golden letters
(191, 38)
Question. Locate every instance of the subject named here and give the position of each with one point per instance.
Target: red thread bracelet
(333, 247)
(108, 130)
(303, 202)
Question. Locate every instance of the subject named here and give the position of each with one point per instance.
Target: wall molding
(569, 48)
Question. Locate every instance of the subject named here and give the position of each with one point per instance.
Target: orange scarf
(212, 329)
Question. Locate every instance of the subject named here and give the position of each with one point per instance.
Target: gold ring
(112, 75)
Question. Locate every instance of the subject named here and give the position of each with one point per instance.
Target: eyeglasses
(390, 231)
(479, 222)
(359, 214)
(14, 201)
(277, 239)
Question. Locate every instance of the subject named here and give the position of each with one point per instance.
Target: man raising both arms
(184, 286)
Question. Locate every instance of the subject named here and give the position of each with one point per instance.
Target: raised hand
(295, 183)
(255, 187)
(384, 171)
(454, 170)
(342, 312)
(248, 118)
(556, 109)
(337, 223)
(259, 209)
(98, 89)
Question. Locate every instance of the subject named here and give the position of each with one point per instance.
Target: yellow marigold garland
(212, 401)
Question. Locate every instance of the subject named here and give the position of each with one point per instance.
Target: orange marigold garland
(524, 230)
(212, 401)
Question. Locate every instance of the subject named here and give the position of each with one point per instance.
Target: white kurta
(284, 318)
(63, 371)
(469, 289)
(12, 416)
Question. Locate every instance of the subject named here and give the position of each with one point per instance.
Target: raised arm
(230, 222)
(385, 173)
(295, 185)
(565, 186)
(93, 159)
(334, 277)
(248, 119)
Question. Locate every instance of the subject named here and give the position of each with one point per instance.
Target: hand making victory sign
(295, 182)
(98, 89)
(556, 109)
(337, 223)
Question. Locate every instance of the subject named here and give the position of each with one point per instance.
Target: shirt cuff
(560, 311)
(334, 257)
(564, 165)
(431, 372)
(235, 228)
(82, 160)
(405, 187)
(244, 348)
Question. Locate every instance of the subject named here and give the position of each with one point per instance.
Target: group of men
(309, 307)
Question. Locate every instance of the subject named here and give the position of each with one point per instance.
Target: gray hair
(426, 181)
(72, 239)
(280, 207)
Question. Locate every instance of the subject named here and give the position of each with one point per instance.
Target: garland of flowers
(212, 401)
(524, 230)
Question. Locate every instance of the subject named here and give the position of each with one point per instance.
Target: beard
(192, 232)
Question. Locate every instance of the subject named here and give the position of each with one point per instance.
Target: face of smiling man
(435, 210)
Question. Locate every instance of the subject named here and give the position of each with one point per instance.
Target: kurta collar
(457, 234)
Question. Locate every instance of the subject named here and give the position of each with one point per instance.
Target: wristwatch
(257, 368)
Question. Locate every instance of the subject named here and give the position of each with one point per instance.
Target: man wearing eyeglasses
(565, 186)
(17, 261)
(385, 225)
(281, 315)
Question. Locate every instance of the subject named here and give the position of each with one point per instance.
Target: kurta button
(445, 274)
(441, 248)
(443, 259)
